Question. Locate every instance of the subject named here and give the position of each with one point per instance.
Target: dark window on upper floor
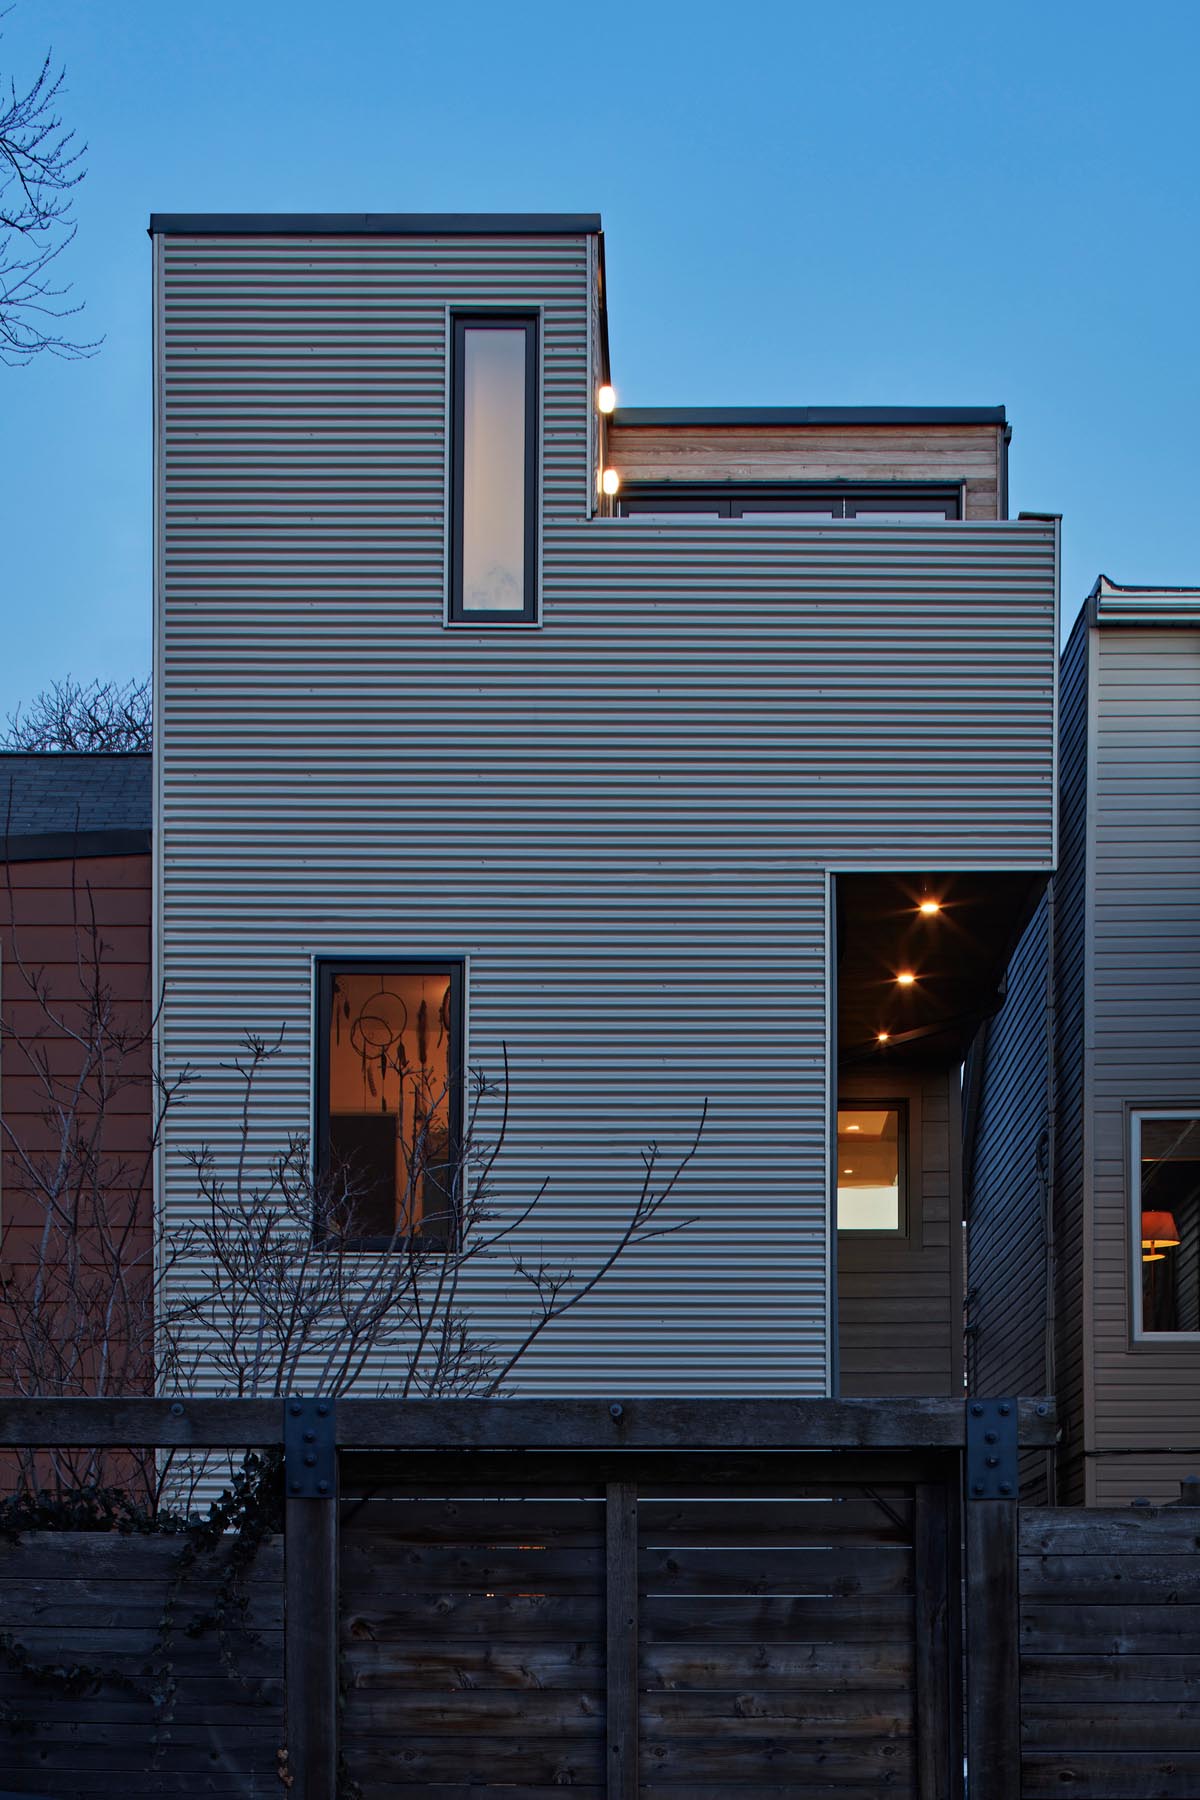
(389, 1100)
(493, 468)
(801, 500)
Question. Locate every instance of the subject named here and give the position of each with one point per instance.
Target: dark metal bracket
(991, 1450)
(309, 1449)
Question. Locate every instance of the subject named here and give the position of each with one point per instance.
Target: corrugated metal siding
(1146, 1052)
(623, 819)
(1070, 906)
(900, 1299)
(1006, 1238)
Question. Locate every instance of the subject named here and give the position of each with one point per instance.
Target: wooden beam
(621, 1589)
(625, 1424)
(311, 1646)
(500, 1424)
(993, 1638)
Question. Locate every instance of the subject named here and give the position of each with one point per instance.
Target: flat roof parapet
(383, 224)
(808, 415)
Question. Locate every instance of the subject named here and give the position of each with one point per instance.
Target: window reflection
(1169, 1161)
(388, 1100)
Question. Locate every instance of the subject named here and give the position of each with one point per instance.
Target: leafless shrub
(268, 1284)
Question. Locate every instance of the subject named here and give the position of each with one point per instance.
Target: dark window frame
(732, 499)
(494, 320)
(325, 970)
(902, 1107)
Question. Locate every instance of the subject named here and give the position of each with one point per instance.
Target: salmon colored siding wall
(46, 913)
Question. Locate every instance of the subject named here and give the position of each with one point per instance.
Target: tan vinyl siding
(972, 454)
(623, 820)
(899, 1298)
(1146, 1044)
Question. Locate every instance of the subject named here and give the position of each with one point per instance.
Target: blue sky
(803, 205)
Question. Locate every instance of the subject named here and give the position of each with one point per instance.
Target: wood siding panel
(622, 819)
(944, 453)
(899, 1299)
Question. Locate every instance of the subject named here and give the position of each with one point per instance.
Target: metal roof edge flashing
(808, 415)
(1113, 603)
(381, 224)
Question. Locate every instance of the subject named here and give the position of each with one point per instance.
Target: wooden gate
(750, 1632)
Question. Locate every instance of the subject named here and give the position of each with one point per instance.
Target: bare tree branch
(40, 167)
(89, 716)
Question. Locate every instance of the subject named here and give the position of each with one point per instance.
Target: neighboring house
(657, 749)
(1083, 1093)
(75, 1022)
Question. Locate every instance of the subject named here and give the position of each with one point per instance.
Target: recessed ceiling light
(929, 907)
(906, 978)
(851, 1171)
(882, 1036)
(854, 1128)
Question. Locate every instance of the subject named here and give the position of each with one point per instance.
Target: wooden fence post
(993, 1601)
(621, 1590)
(311, 1598)
(939, 1741)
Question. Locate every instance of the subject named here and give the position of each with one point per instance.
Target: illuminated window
(871, 1155)
(1166, 1164)
(388, 1099)
(494, 388)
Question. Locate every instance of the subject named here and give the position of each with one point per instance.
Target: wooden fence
(643, 1600)
(1110, 1653)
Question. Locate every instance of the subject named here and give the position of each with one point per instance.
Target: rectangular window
(1166, 1187)
(800, 501)
(872, 1153)
(494, 475)
(389, 1099)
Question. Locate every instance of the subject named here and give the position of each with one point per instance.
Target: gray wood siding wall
(1145, 1040)
(1007, 1246)
(624, 819)
(900, 1299)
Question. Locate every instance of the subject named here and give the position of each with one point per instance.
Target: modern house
(1083, 1094)
(673, 755)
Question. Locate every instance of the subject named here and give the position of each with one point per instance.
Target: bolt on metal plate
(991, 1463)
(309, 1448)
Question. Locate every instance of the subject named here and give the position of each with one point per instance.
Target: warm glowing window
(494, 456)
(388, 1102)
(1166, 1162)
(870, 1168)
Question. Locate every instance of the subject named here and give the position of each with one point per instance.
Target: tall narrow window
(871, 1157)
(1166, 1163)
(389, 1100)
(494, 485)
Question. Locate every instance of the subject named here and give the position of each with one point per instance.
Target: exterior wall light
(906, 978)
(606, 399)
(610, 481)
(930, 907)
(882, 1037)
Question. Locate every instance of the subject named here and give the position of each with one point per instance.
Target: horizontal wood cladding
(621, 820)
(1110, 1675)
(1145, 884)
(182, 1690)
(899, 1298)
(972, 454)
